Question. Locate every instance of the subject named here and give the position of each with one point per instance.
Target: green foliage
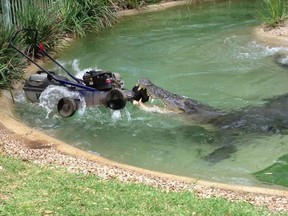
(276, 174)
(11, 66)
(27, 189)
(81, 16)
(46, 21)
(3, 79)
(131, 4)
(69, 15)
(152, 1)
(273, 12)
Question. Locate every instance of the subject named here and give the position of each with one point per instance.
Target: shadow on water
(222, 143)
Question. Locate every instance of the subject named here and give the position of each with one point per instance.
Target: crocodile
(174, 103)
(272, 117)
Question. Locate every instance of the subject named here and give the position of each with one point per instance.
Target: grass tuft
(273, 12)
(11, 66)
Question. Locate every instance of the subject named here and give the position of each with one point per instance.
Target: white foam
(76, 70)
(252, 49)
(20, 97)
(52, 94)
(120, 114)
(80, 72)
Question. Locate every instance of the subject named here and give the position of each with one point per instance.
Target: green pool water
(205, 52)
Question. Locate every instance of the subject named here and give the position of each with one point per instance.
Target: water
(205, 52)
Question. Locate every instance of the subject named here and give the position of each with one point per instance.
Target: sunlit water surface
(205, 52)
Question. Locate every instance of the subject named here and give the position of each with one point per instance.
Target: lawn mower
(98, 87)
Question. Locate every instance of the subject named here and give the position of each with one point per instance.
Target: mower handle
(11, 43)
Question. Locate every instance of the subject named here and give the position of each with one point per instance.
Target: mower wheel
(67, 107)
(115, 99)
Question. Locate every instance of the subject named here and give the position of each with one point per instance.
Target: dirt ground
(277, 36)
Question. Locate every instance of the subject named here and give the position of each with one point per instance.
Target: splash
(78, 71)
(117, 115)
(20, 97)
(252, 49)
(52, 94)
(74, 68)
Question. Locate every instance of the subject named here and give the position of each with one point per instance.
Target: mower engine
(102, 80)
(110, 89)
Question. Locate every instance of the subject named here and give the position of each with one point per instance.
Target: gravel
(44, 154)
